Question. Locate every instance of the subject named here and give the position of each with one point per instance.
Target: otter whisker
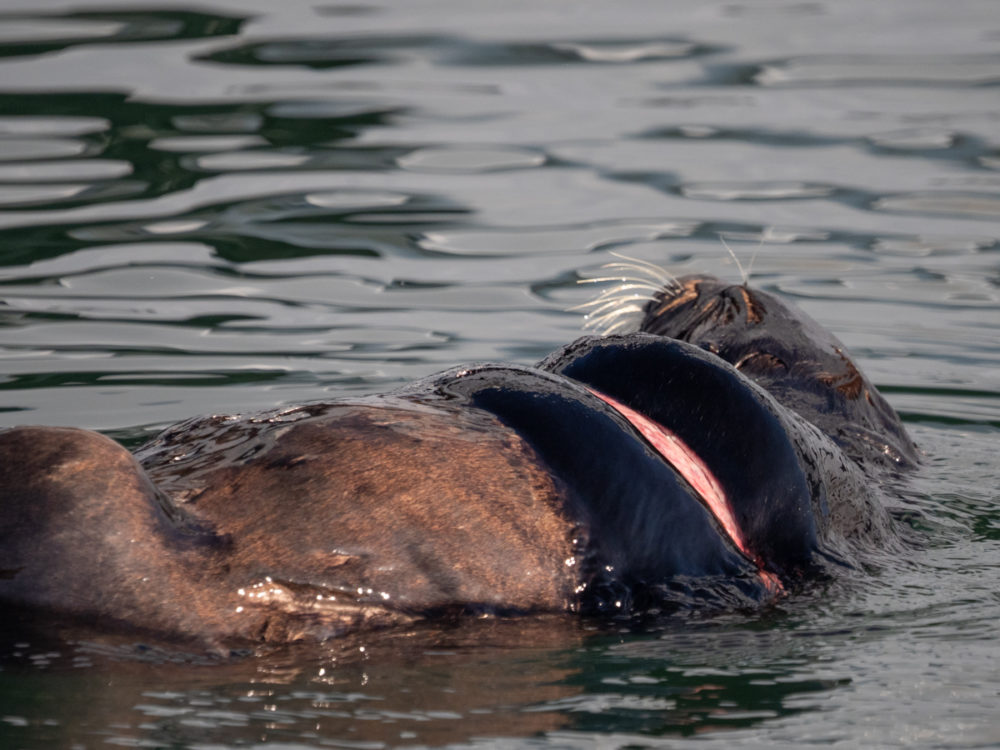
(644, 266)
(605, 304)
(612, 315)
(744, 272)
(620, 292)
(616, 295)
(620, 318)
(631, 271)
(621, 326)
(613, 306)
(635, 265)
(620, 307)
(626, 279)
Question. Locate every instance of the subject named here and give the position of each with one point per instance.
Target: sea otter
(721, 453)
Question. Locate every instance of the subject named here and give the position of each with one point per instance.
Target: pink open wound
(689, 465)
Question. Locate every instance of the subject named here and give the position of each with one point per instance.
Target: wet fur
(471, 492)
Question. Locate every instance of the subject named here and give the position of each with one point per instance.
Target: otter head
(778, 346)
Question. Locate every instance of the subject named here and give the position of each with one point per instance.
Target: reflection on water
(252, 204)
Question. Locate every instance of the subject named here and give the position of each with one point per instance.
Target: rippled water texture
(232, 205)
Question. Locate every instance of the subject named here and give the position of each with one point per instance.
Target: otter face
(805, 367)
(754, 331)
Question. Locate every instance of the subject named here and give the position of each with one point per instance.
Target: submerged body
(725, 452)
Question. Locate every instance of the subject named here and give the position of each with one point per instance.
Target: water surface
(235, 205)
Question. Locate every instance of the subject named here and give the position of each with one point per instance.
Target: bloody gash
(723, 453)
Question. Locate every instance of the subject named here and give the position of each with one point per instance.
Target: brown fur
(361, 515)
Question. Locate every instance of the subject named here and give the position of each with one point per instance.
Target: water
(249, 204)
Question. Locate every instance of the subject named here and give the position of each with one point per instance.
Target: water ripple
(469, 159)
(35, 34)
(973, 70)
(980, 206)
(261, 203)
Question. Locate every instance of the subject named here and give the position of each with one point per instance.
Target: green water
(263, 203)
